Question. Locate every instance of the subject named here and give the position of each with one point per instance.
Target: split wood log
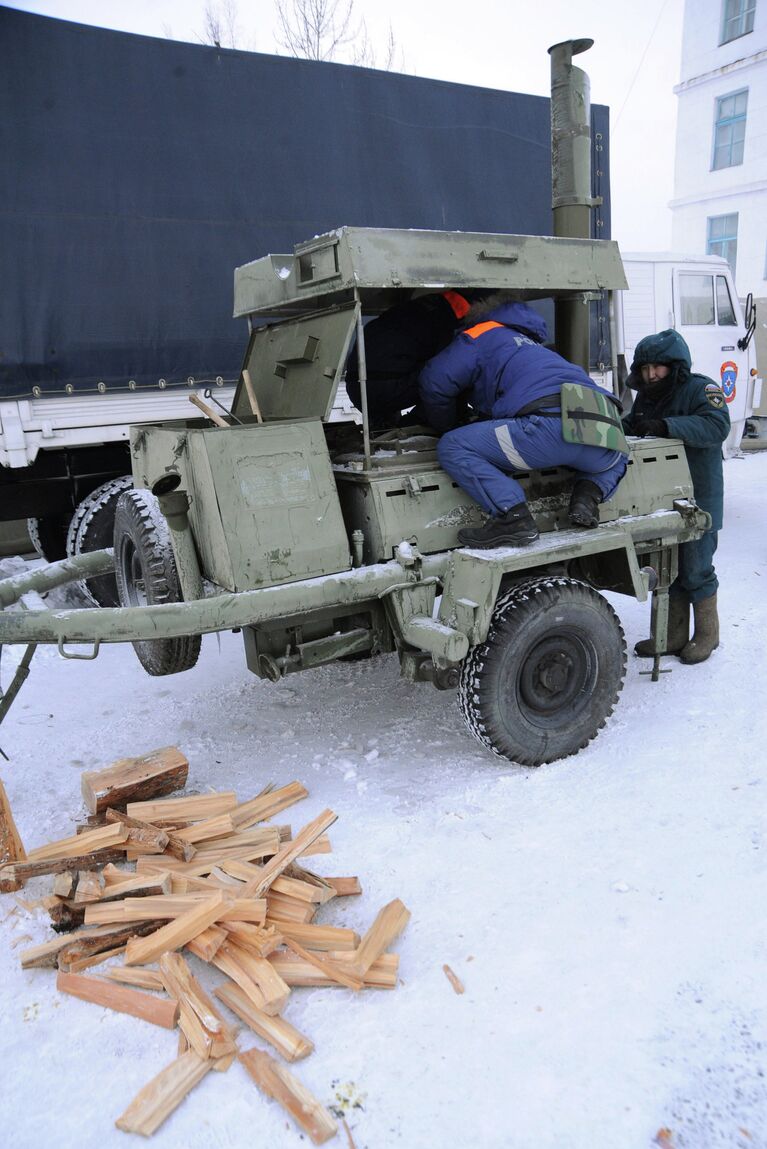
(206, 1031)
(334, 972)
(90, 886)
(22, 871)
(195, 808)
(388, 925)
(65, 916)
(88, 942)
(289, 853)
(140, 886)
(285, 1038)
(207, 944)
(174, 846)
(268, 805)
(132, 779)
(11, 846)
(258, 969)
(101, 992)
(318, 937)
(172, 907)
(141, 951)
(64, 884)
(140, 978)
(164, 1093)
(44, 955)
(94, 959)
(344, 887)
(306, 888)
(324, 892)
(219, 827)
(262, 941)
(227, 959)
(289, 909)
(295, 972)
(279, 1083)
(80, 844)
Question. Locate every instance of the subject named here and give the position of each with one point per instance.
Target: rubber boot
(678, 629)
(584, 504)
(705, 638)
(515, 528)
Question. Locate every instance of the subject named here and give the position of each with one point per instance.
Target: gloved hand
(651, 427)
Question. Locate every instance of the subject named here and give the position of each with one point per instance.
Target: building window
(730, 130)
(723, 237)
(737, 19)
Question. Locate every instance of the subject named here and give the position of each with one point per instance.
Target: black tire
(549, 673)
(91, 529)
(146, 575)
(49, 536)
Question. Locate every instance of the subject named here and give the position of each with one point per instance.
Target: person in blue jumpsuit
(672, 402)
(500, 366)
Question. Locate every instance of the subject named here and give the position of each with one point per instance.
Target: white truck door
(708, 315)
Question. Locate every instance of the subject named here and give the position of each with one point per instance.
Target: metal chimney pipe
(571, 181)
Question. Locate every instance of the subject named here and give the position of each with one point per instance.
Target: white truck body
(695, 295)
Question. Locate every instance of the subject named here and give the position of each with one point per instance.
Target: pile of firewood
(213, 877)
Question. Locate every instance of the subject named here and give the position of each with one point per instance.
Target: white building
(720, 183)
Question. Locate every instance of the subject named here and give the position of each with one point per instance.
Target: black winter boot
(678, 631)
(515, 528)
(584, 504)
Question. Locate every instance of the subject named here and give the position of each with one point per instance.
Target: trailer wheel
(549, 673)
(49, 536)
(146, 575)
(92, 529)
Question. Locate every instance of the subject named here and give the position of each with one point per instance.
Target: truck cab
(696, 296)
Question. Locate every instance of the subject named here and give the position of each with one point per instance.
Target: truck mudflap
(470, 580)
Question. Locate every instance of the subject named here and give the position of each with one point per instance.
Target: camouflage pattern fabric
(592, 418)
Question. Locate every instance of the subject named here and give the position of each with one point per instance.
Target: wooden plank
(141, 951)
(195, 808)
(289, 853)
(318, 937)
(206, 1031)
(164, 1093)
(294, 971)
(81, 844)
(334, 972)
(268, 805)
(279, 1083)
(285, 1038)
(158, 772)
(120, 998)
(388, 925)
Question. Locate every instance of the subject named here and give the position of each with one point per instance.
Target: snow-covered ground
(606, 913)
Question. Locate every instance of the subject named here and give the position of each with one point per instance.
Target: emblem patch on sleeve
(715, 395)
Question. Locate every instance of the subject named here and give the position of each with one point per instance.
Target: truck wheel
(91, 529)
(146, 575)
(549, 673)
(49, 536)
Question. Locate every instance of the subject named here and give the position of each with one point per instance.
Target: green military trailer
(320, 541)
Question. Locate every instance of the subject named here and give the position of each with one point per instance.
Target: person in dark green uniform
(672, 402)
